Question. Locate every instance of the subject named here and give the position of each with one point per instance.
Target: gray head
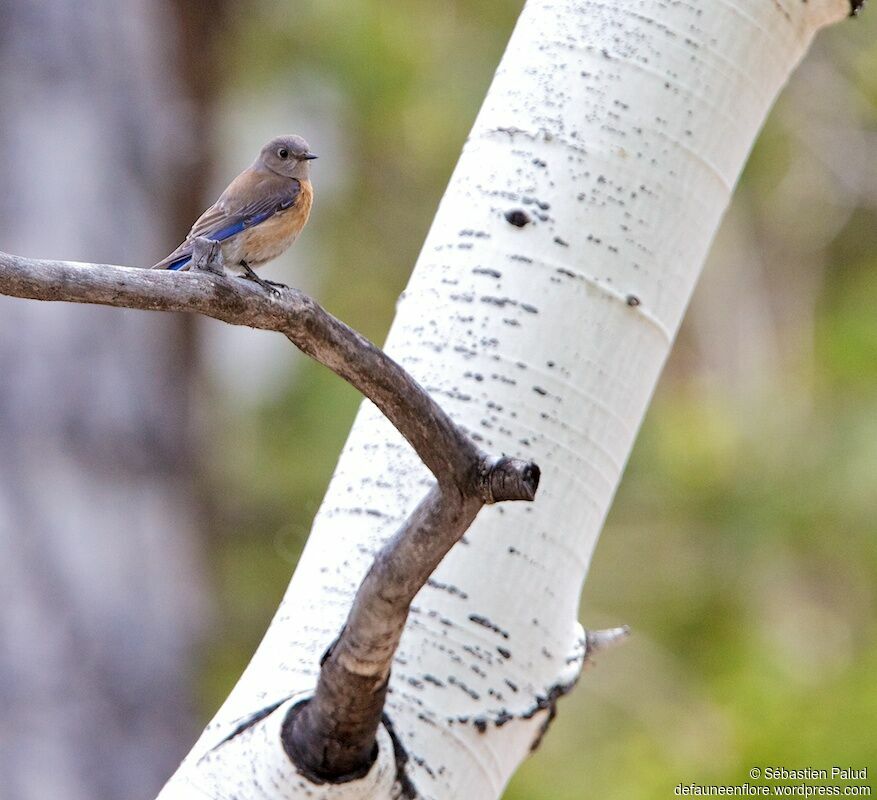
(287, 156)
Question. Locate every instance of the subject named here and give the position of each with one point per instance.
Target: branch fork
(332, 736)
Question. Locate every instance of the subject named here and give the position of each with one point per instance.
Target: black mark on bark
(517, 217)
(408, 789)
(486, 623)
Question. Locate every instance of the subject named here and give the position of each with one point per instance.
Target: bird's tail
(178, 260)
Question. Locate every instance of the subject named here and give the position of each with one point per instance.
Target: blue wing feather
(248, 217)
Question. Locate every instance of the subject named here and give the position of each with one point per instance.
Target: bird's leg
(271, 286)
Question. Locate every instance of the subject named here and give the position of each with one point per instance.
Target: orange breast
(272, 237)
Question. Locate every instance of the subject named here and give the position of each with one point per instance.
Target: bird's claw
(270, 286)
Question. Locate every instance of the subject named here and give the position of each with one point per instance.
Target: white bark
(620, 130)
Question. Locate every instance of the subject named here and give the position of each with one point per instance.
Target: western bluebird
(260, 214)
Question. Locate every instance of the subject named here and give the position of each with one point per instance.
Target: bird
(259, 215)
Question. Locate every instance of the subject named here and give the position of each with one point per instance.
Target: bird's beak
(310, 156)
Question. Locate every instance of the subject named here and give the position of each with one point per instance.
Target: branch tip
(508, 479)
(604, 639)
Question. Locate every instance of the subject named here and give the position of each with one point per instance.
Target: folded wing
(225, 219)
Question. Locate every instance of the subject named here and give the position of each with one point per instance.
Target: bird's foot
(270, 286)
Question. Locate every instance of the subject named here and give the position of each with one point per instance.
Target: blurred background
(158, 475)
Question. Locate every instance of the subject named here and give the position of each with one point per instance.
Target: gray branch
(331, 737)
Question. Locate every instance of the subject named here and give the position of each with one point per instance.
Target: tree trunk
(540, 314)
(99, 579)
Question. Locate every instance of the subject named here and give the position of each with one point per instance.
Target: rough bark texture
(99, 582)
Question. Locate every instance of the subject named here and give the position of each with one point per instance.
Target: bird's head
(289, 156)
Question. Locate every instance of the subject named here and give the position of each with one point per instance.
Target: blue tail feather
(180, 263)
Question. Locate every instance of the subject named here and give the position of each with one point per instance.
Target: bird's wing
(225, 218)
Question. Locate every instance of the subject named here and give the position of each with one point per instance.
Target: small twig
(595, 641)
(332, 736)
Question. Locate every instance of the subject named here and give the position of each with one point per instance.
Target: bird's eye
(283, 152)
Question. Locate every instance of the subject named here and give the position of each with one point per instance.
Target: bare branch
(356, 668)
(332, 736)
(444, 448)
